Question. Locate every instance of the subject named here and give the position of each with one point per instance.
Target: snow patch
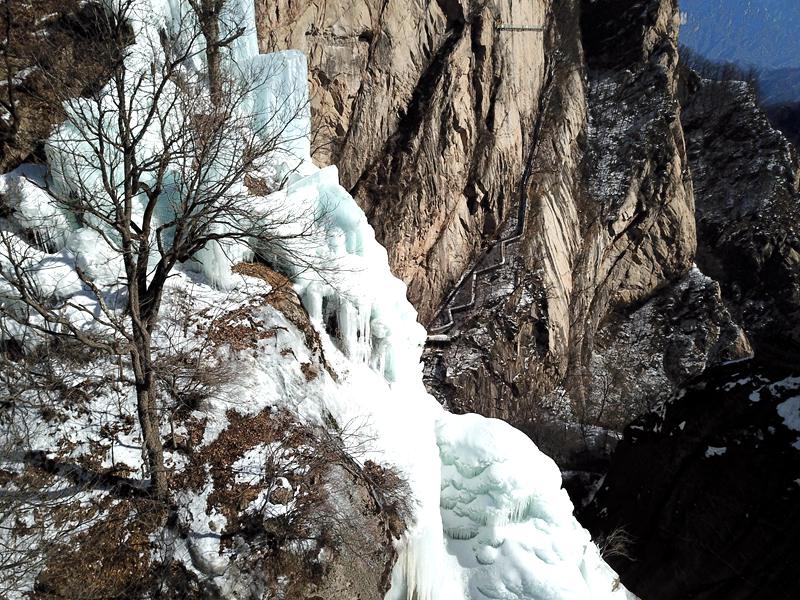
(790, 413)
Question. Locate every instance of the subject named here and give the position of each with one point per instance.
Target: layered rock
(529, 185)
(609, 213)
(427, 109)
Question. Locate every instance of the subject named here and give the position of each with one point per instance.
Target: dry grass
(67, 61)
(256, 186)
(277, 281)
(239, 329)
(231, 498)
(332, 503)
(283, 298)
(617, 544)
(109, 560)
(309, 372)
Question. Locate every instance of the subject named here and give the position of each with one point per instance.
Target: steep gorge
(591, 233)
(707, 485)
(531, 187)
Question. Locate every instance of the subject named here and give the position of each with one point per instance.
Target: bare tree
(153, 164)
(211, 16)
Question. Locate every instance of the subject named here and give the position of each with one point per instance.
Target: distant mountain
(779, 86)
(761, 33)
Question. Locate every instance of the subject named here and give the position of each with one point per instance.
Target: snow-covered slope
(490, 519)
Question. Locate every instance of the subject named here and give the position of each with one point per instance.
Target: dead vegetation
(617, 544)
(239, 329)
(257, 186)
(308, 507)
(277, 281)
(305, 517)
(283, 298)
(111, 559)
(42, 40)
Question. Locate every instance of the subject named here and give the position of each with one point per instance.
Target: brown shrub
(331, 503)
(283, 298)
(278, 281)
(109, 560)
(239, 329)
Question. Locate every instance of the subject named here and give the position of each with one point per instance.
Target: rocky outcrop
(786, 118)
(642, 354)
(53, 52)
(706, 486)
(609, 216)
(427, 108)
(702, 498)
(527, 184)
(747, 184)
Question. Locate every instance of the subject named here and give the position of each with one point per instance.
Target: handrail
(519, 28)
(519, 232)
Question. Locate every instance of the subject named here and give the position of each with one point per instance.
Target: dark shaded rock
(747, 193)
(708, 490)
(643, 354)
(786, 118)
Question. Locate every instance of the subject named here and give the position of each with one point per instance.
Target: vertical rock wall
(531, 187)
(424, 106)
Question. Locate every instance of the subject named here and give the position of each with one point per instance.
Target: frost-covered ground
(490, 519)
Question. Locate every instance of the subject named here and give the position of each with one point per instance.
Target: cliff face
(534, 190)
(427, 108)
(706, 485)
(544, 175)
(747, 181)
(526, 184)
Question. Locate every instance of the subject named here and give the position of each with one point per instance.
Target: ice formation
(491, 518)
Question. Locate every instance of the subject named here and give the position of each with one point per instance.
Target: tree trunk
(210, 27)
(214, 74)
(147, 409)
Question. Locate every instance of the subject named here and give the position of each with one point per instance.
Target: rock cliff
(428, 109)
(747, 183)
(706, 485)
(523, 163)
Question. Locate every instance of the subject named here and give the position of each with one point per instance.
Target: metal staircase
(465, 292)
